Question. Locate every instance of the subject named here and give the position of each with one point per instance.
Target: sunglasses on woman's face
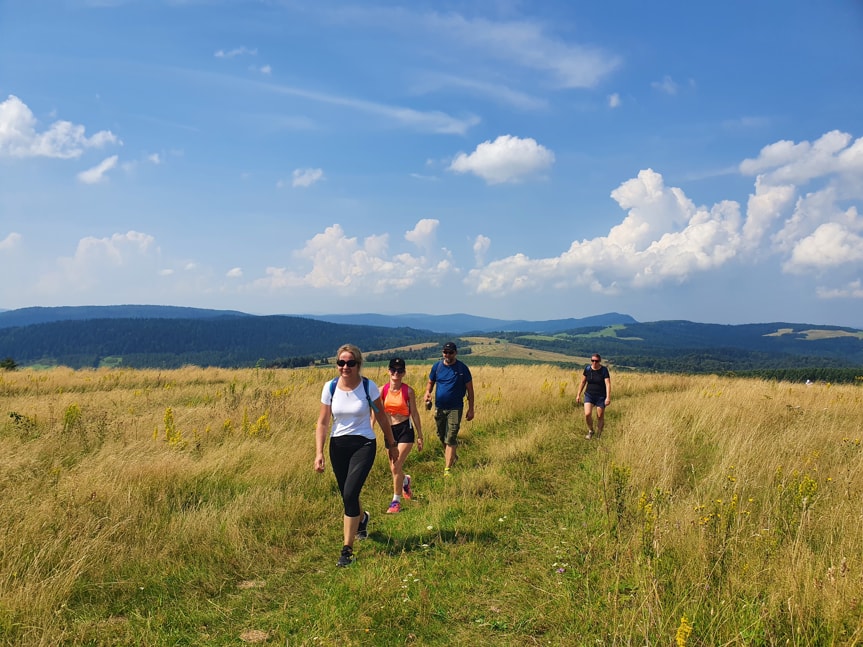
(350, 363)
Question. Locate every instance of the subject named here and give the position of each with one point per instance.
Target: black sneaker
(346, 558)
(363, 530)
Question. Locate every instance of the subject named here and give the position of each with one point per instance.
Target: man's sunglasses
(449, 352)
(397, 370)
(349, 363)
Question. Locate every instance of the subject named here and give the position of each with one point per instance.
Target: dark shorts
(595, 400)
(448, 422)
(403, 432)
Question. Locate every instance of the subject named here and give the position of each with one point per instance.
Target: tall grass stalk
(181, 508)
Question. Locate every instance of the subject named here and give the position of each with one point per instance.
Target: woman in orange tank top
(400, 406)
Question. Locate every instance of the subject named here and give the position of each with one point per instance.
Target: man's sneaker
(446, 472)
(589, 434)
(406, 488)
(395, 507)
(363, 530)
(346, 558)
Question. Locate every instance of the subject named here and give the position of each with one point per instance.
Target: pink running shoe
(395, 507)
(406, 488)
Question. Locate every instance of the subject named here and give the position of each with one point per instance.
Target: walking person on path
(400, 406)
(451, 380)
(346, 401)
(597, 395)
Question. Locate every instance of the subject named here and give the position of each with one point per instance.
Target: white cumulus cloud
(348, 265)
(20, 137)
(506, 159)
(804, 209)
(104, 264)
(424, 233)
(664, 237)
(98, 173)
(481, 245)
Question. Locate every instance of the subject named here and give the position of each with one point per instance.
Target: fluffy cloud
(667, 85)
(64, 140)
(10, 242)
(98, 173)
(830, 245)
(506, 159)
(802, 215)
(665, 237)
(424, 233)
(853, 290)
(802, 191)
(481, 246)
(103, 264)
(306, 177)
(347, 265)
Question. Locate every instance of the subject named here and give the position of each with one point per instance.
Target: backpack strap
(368, 397)
(365, 386)
(433, 372)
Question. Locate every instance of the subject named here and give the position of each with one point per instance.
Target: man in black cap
(454, 381)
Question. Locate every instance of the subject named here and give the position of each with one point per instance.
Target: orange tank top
(396, 401)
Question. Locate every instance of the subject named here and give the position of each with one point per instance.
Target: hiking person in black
(597, 396)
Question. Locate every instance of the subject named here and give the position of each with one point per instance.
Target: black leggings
(352, 458)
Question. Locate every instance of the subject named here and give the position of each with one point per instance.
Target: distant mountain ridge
(465, 324)
(457, 324)
(39, 314)
(169, 337)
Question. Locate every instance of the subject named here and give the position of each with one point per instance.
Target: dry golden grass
(137, 506)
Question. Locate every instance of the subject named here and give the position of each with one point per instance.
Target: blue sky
(520, 160)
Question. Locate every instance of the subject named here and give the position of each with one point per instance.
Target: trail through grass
(711, 512)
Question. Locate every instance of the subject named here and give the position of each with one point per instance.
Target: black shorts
(403, 432)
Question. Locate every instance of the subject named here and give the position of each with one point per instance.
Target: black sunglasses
(449, 352)
(397, 370)
(350, 363)
(595, 360)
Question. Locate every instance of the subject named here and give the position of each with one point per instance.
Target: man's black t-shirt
(596, 381)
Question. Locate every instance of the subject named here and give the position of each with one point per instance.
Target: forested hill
(229, 341)
(688, 347)
(37, 314)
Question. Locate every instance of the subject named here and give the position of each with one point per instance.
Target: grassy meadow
(181, 508)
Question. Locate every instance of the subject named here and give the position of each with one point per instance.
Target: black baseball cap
(397, 364)
(450, 346)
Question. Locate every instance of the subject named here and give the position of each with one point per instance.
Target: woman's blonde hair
(353, 350)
